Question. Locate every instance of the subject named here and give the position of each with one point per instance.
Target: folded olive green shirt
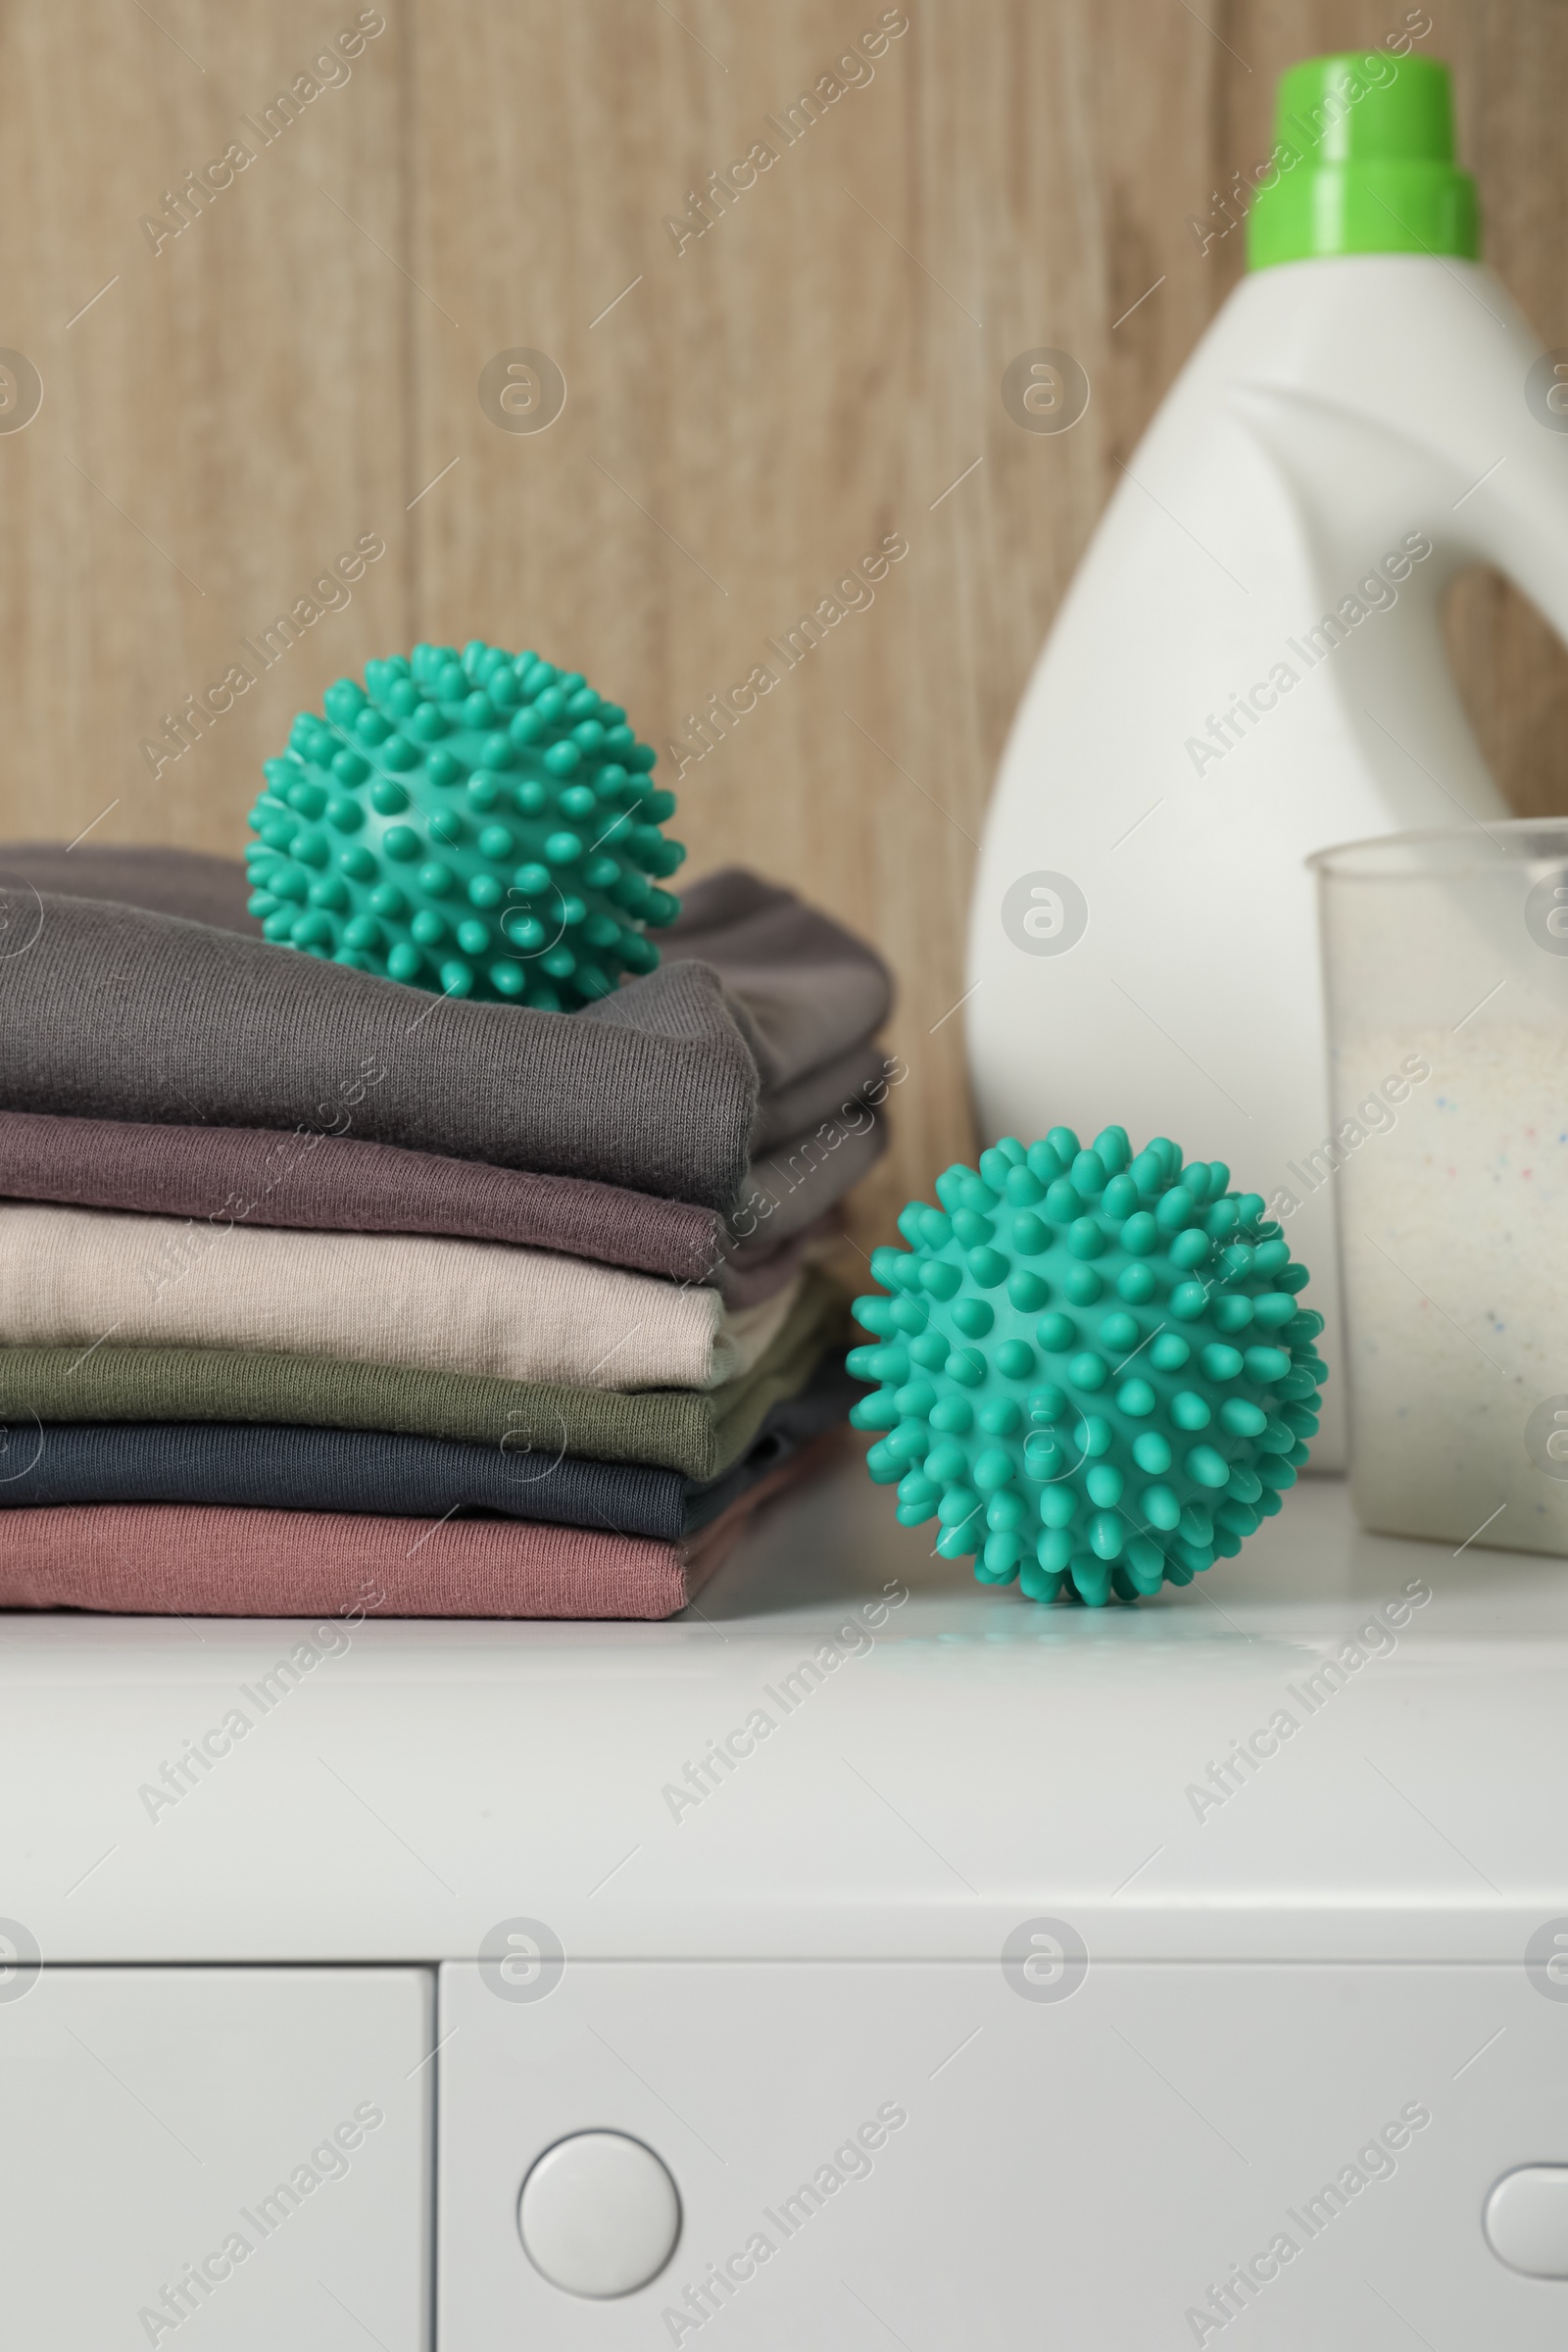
(698, 1433)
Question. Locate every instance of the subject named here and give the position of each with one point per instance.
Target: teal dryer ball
(481, 824)
(1090, 1367)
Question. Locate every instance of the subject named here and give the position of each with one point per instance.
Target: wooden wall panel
(744, 418)
(225, 418)
(1511, 668)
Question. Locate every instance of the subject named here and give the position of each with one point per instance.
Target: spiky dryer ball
(1092, 1368)
(486, 826)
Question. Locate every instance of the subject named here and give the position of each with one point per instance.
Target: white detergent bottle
(1248, 666)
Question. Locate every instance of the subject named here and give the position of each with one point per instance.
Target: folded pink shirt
(164, 1559)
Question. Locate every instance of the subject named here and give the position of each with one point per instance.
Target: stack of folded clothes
(315, 1285)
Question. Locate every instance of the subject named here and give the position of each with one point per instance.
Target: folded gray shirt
(118, 1004)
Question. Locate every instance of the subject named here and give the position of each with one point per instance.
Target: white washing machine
(862, 1960)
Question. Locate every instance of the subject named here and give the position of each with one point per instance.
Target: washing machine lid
(1338, 1747)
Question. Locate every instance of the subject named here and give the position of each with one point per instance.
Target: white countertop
(972, 1760)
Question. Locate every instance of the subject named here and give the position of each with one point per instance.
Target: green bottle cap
(1364, 158)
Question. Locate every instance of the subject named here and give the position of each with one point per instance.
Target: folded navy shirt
(266, 1467)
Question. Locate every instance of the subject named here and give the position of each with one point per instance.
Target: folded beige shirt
(76, 1276)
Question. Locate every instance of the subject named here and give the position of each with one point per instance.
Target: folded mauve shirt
(261, 1468)
(163, 1559)
(76, 1276)
(782, 993)
(338, 1183)
(698, 1432)
(256, 1176)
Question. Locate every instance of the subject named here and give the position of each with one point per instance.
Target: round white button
(599, 2215)
(1526, 2220)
